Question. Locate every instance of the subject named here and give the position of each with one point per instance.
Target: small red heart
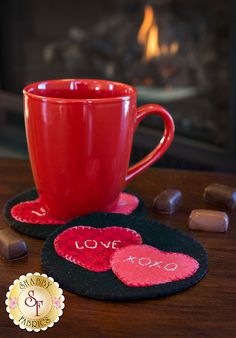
(91, 247)
(144, 265)
(33, 212)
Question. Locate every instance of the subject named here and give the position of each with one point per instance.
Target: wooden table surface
(208, 309)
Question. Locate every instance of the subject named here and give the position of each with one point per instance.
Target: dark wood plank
(205, 310)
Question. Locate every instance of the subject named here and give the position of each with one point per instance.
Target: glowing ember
(174, 47)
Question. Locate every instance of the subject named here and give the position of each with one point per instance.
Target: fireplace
(177, 53)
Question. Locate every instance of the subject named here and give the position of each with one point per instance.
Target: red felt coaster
(91, 247)
(144, 265)
(33, 212)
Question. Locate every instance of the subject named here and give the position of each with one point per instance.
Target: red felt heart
(144, 265)
(34, 212)
(91, 247)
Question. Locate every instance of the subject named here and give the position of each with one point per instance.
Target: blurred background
(178, 53)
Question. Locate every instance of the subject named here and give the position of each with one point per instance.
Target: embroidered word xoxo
(145, 261)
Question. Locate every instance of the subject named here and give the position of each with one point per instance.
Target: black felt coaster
(105, 285)
(42, 231)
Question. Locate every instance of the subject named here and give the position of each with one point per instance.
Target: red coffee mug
(80, 134)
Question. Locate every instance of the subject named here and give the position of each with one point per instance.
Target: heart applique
(33, 212)
(91, 247)
(144, 265)
(126, 204)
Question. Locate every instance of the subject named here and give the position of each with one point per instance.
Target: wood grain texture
(205, 310)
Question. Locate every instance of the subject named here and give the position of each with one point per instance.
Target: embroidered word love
(92, 244)
(144, 265)
(145, 261)
(91, 247)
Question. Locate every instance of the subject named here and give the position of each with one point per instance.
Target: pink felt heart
(126, 204)
(91, 247)
(144, 265)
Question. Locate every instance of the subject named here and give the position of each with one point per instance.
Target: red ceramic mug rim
(131, 91)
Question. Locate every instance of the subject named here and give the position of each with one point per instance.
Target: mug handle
(161, 148)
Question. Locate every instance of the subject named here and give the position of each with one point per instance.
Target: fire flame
(148, 36)
(146, 24)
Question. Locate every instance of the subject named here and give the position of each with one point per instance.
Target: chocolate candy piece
(220, 194)
(11, 245)
(168, 201)
(208, 220)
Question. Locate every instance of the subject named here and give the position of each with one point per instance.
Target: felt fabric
(92, 248)
(144, 265)
(126, 205)
(33, 212)
(106, 285)
(40, 231)
(24, 211)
